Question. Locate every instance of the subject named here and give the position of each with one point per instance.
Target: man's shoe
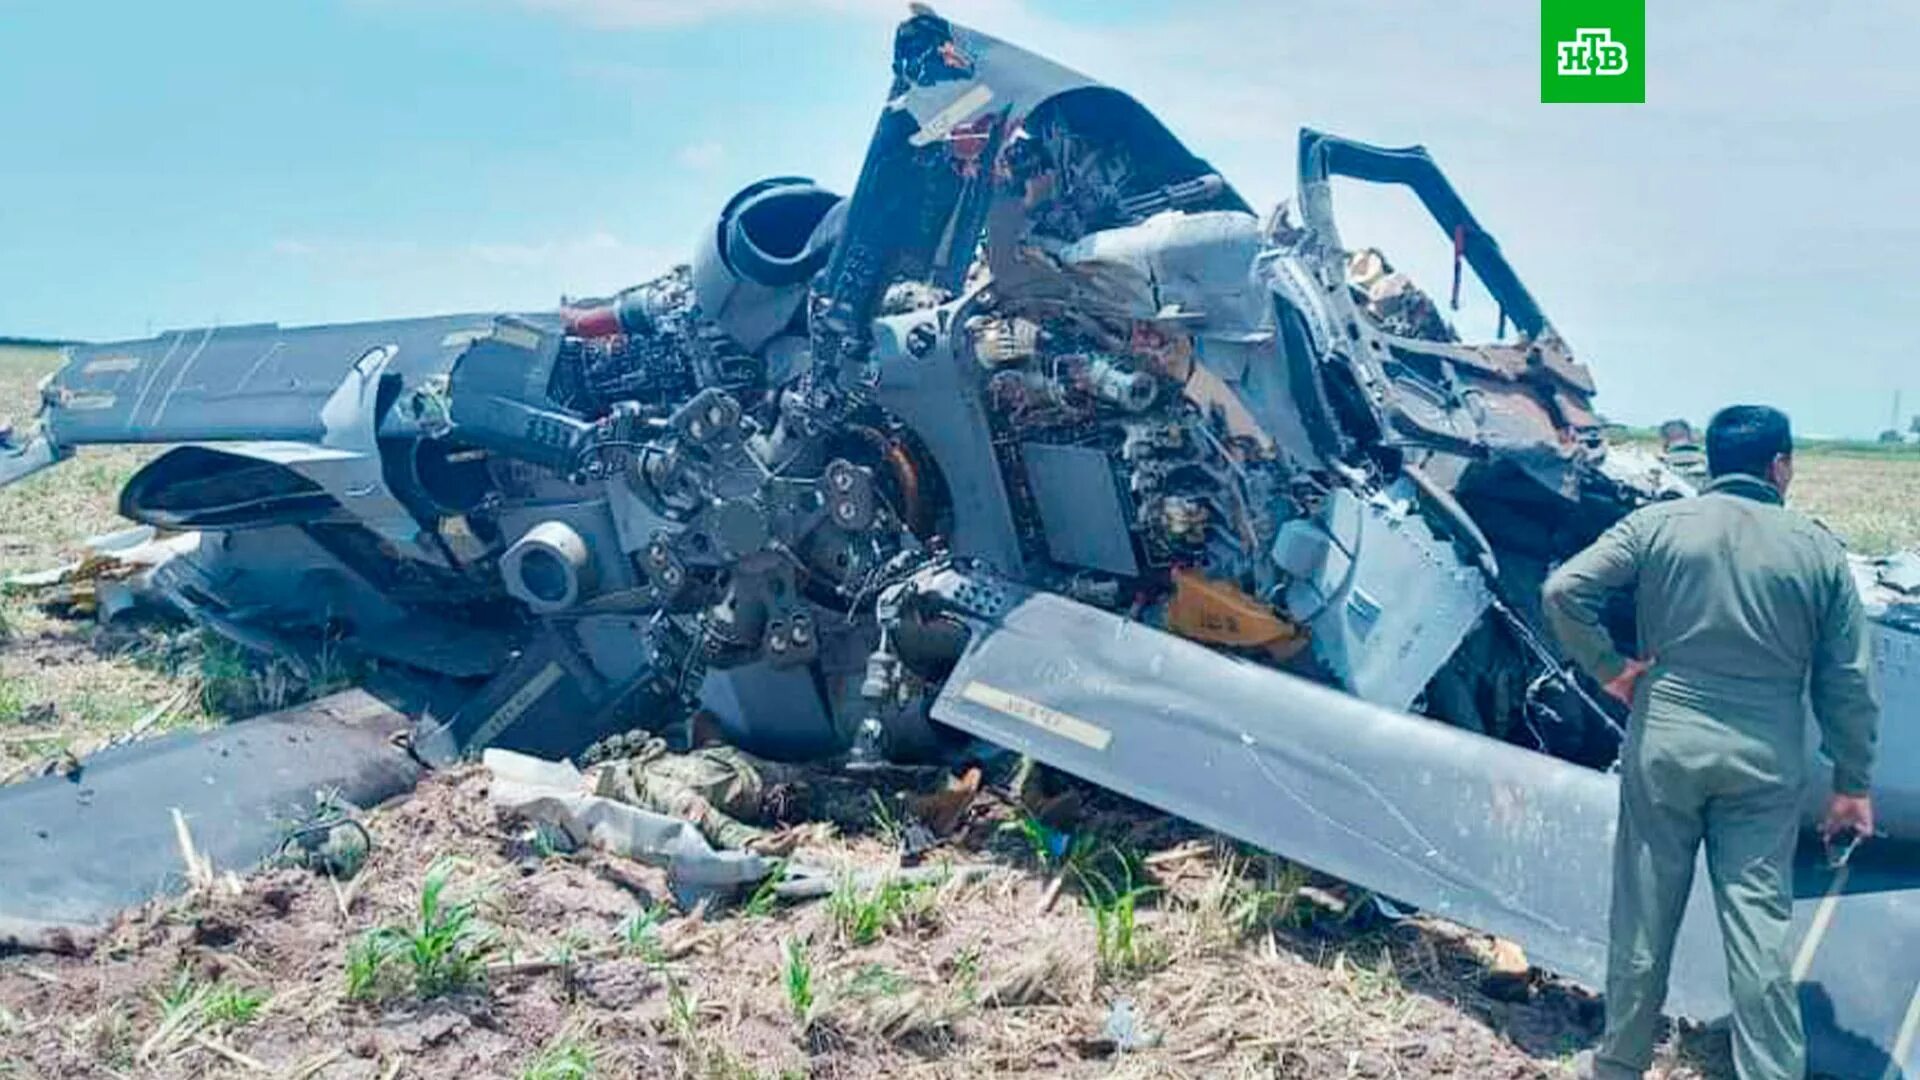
(1588, 1066)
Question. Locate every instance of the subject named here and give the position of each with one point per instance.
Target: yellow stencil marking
(88, 402)
(1822, 917)
(1052, 721)
(516, 705)
(519, 337)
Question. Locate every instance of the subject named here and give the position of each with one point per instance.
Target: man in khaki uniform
(1745, 611)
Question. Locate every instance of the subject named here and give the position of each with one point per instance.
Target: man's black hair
(1746, 439)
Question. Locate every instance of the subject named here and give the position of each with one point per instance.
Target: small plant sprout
(366, 960)
(966, 974)
(1121, 948)
(566, 957)
(233, 1006)
(189, 1007)
(760, 904)
(639, 935)
(862, 915)
(568, 1057)
(442, 951)
(886, 824)
(683, 1008)
(875, 981)
(797, 976)
(1037, 838)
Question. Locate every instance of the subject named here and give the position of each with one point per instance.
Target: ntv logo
(1592, 52)
(1580, 39)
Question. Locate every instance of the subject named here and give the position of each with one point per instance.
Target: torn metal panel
(1185, 267)
(1896, 782)
(924, 383)
(76, 851)
(551, 699)
(1541, 422)
(1455, 823)
(1387, 601)
(779, 713)
(1901, 573)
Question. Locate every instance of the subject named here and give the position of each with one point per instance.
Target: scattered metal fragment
(1901, 572)
(1122, 1032)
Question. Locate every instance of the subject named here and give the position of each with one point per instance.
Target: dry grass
(1871, 500)
(989, 981)
(69, 686)
(1866, 493)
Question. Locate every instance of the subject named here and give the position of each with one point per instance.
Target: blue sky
(1747, 234)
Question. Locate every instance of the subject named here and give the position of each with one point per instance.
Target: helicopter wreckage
(1040, 437)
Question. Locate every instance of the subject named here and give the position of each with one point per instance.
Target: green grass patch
(566, 1058)
(639, 935)
(862, 915)
(796, 977)
(14, 700)
(442, 950)
(875, 981)
(1113, 898)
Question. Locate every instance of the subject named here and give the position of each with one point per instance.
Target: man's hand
(1621, 686)
(1847, 814)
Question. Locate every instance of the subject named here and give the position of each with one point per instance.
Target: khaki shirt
(1747, 611)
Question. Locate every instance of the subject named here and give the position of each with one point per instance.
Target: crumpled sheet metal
(1890, 588)
(1901, 572)
(555, 793)
(1638, 467)
(114, 574)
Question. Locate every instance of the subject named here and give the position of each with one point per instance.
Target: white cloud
(702, 156)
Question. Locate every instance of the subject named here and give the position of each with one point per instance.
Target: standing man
(1744, 611)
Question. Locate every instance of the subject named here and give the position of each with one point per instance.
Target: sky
(1745, 235)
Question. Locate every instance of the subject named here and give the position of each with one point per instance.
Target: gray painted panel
(1080, 507)
(258, 383)
(75, 852)
(937, 397)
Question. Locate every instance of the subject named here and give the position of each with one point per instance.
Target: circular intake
(750, 271)
(549, 568)
(768, 233)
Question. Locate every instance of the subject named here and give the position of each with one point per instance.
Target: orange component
(1220, 613)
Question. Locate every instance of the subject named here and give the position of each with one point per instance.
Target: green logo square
(1593, 50)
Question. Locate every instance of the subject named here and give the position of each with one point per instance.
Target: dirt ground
(1237, 966)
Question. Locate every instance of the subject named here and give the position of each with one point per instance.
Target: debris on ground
(111, 577)
(460, 949)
